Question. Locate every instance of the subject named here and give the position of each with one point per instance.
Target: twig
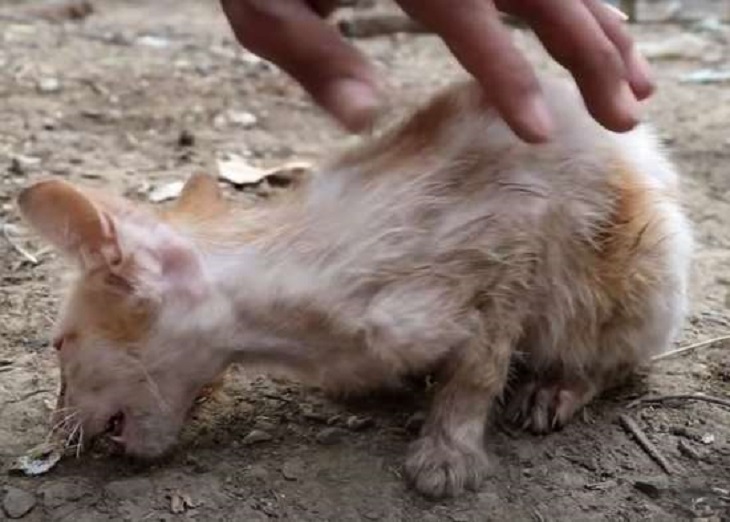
(690, 348)
(630, 425)
(19, 249)
(682, 397)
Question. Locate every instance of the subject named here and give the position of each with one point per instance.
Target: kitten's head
(131, 361)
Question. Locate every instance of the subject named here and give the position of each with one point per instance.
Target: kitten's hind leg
(544, 403)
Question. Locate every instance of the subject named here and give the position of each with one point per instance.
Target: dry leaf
(166, 192)
(38, 460)
(290, 171)
(238, 171)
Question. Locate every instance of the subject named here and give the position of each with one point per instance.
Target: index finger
(475, 35)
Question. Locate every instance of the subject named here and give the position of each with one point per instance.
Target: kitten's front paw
(438, 468)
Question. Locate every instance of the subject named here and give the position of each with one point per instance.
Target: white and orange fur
(443, 245)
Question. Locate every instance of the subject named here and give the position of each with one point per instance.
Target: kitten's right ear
(71, 222)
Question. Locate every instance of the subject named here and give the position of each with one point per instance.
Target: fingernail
(536, 119)
(354, 103)
(627, 107)
(618, 12)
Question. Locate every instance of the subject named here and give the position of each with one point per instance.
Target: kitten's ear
(201, 197)
(70, 221)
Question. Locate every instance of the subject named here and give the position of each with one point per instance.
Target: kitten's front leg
(449, 456)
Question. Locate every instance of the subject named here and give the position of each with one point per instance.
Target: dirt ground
(105, 102)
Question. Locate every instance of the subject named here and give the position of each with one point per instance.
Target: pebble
(649, 489)
(55, 494)
(242, 119)
(687, 450)
(334, 419)
(292, 469)
(17, 503)
(155, 42)
(256, 436)
(49, 85)
(314, 416)
(707, 438)
(329, 436)
(186, 138)
(652, 486)
(356, 423)
(196, 465)
(259, 472)
(264, 424)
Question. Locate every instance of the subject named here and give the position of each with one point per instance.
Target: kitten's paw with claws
(439, 468)
(545, 407)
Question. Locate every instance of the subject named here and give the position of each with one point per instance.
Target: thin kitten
(445, 244)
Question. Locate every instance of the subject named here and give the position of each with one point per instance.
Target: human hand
(587, 37)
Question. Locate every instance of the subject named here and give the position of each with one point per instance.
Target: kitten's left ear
(201, 199)
(71, 222)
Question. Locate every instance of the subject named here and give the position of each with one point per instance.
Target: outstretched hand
(587, 37)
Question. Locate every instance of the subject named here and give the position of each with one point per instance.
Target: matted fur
(445, 244)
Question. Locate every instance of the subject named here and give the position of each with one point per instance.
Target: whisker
(80, 445)
(61, 424)
(72, 436)
(59, 411)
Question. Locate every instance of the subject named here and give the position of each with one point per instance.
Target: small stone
(17, 503)
(16, 167)
(19, 165)
(356, 423)
(264, 424)
(196, 465)
(329, 436)
(292, 469)
(707, 439)
(314, 416)
(687, 450)
(49, 85)
(334, 419)
(259, 472)
(256, 436)
(155, 42)
(55, 494)
(648, 489)
(242, 119)
(186, 138)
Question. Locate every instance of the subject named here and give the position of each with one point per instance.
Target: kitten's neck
(264, 310)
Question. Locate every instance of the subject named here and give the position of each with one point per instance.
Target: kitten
(444, 244)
